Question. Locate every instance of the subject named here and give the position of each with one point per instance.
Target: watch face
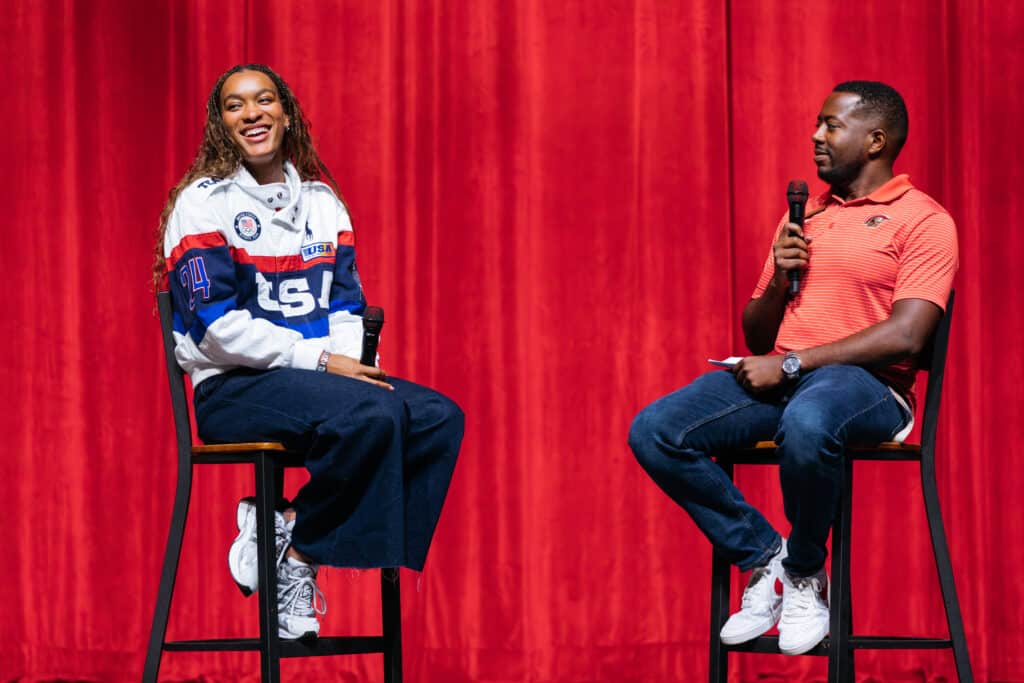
(791, 365)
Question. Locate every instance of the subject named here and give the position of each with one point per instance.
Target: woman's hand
(350, 367)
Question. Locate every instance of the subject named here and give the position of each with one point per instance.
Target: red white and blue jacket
(261, 276)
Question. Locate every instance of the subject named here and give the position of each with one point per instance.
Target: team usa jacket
(261, 276)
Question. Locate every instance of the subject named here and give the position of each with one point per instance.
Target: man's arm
(904, 333)
(763, 315)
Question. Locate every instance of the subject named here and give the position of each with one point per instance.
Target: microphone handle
(796, 215)
(369, 356)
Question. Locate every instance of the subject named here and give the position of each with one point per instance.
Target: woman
(261, 268)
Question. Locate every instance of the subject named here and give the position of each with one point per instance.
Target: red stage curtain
(563, 207)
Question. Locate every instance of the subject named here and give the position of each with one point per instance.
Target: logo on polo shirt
(876, 220)
(247, 226)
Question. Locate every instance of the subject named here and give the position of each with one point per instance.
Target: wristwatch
(791, 366)
(321, 362)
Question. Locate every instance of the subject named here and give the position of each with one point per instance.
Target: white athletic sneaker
(243, 557)
(761, 604)
(804, 620)
(299, 600)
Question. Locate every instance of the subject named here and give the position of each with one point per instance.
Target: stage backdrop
(563, 207)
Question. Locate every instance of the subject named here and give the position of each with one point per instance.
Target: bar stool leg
(266, 499)
(391, 616)
(850, 672)
(718, 665)
(840, 655)
(940, 550)
(172, 554)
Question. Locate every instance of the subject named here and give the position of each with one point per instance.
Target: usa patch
(247, 226)
(317, 250)
(876, 220)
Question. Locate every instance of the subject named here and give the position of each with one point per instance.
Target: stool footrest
(899, 643)
(313, 647)
(770, 644)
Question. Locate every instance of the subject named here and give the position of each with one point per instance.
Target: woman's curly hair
(219, 156)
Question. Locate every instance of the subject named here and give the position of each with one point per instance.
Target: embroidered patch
(247, 226)
(213, 180)
(876, 220)
(317, 250)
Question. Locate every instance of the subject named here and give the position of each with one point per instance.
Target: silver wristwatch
(791, 366)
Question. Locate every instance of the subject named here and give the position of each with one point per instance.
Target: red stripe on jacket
(265, 264)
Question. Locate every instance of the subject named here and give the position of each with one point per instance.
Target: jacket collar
(287, 211)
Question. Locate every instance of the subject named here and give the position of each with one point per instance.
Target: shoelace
(801, 601)
(302, 596)
(282, 534)
(282, 537)
(750, 593)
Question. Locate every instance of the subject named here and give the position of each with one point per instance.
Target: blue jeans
(379, 461)
(812, 420)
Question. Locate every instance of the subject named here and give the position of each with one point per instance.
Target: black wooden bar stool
(269, 461)
(840, 645)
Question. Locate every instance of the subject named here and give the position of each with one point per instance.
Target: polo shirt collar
(893, 189)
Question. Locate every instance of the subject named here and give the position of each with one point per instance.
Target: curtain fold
(563, 207)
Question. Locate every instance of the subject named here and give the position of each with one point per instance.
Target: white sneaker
(243, 557)
(761, 604)
(804, 620)
(299, 600)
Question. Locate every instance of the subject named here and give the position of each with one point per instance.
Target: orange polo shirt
(896, 243)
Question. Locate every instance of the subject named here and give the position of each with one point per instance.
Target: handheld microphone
(796, 195)
(373, 320)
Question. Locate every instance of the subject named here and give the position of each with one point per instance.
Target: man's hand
(350, 367)
(763, 315)
(759, 373)
(790, 251)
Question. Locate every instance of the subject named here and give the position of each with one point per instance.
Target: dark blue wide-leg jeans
(379, 461)
(812, 420)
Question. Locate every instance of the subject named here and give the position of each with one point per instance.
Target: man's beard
(840, 176)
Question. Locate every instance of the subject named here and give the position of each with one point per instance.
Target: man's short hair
(883, 101)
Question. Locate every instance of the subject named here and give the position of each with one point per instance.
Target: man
(835, 365)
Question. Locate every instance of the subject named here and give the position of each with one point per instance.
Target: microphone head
(373, 318)
(796, 191)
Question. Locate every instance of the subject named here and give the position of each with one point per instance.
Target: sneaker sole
(245, 530)
(288, 635)
(305, 629)
(802, 648)
(747, 635)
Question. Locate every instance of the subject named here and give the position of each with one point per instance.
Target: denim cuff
(765, 557)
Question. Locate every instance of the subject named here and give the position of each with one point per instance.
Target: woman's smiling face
(252, 113)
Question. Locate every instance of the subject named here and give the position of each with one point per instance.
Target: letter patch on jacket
(317, 250)
(194, 280)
